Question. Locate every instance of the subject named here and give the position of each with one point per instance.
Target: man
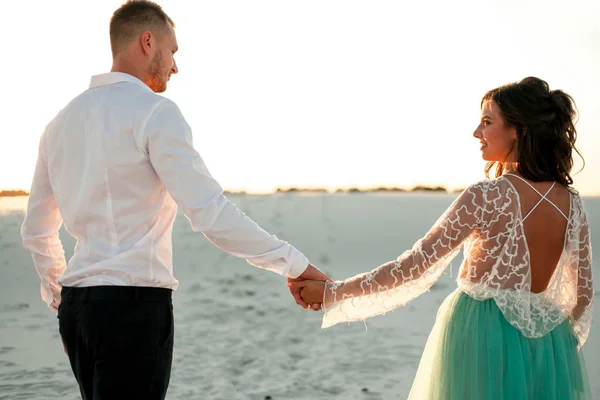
(114, 164)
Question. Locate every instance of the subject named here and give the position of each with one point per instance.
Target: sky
(326, 93)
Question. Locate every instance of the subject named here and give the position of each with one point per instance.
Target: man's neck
(127, 67)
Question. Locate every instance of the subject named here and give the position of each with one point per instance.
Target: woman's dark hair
(545, 129)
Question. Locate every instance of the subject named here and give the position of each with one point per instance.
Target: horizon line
(328, 189)
(6, 192)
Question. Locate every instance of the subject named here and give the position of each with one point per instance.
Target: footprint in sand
(333, 390)
(276, 219)
(244, 293)
(297, 356)
(222, 257)
(6, 364)
(371, 395)
(15, 307)
(246, 361)
(295, 340)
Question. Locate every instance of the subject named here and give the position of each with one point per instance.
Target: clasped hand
(308, 288)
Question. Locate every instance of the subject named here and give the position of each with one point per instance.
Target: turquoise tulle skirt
(473, 353)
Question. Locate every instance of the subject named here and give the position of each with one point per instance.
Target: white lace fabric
(486, 218)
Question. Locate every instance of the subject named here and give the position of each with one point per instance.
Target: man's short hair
(133, 18)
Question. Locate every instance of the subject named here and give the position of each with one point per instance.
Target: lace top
(486, 218)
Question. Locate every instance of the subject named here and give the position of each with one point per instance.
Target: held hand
(311, 273)
(310, 291)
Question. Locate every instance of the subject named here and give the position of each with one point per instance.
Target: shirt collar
(114, 77)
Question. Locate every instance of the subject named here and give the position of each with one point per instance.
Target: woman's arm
(581, 318)
(396, 282)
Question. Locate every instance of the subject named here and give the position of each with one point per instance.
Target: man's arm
(40, 232)
(167, 139)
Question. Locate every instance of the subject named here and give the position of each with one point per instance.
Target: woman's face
(498, 140)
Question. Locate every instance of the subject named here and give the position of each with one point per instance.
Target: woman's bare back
(544, 225)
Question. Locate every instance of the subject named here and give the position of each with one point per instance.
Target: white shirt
(114, 164)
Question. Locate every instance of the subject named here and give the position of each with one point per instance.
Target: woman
(522, 310)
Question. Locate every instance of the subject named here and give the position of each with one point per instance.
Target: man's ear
(147, 41)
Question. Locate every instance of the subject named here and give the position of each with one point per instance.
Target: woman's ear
(513, 133)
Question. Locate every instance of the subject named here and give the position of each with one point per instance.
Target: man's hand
(311, 273)
(311, 291)
(54, 305)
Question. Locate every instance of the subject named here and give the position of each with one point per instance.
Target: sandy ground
(239, 335)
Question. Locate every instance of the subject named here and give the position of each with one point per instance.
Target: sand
(239, 335)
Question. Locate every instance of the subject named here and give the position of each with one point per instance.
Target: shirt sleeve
(40, 232)
(397, 282)
(168, 142)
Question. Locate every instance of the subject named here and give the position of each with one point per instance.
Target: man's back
(114, 165)
(108, 193)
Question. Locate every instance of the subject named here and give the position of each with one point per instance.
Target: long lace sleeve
(397, 282)
(582, 313)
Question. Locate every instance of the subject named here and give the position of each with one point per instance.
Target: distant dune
(13, 193)
(428, 189)
(234, 192)
(303, 190)
(379, 189)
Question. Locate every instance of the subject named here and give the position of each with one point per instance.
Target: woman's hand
(310, 291)
(311, 273)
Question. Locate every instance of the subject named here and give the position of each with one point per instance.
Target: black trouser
(119, 340)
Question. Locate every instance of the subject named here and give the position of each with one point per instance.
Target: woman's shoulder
(579, 207)
(499, 185)
(490, 196)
